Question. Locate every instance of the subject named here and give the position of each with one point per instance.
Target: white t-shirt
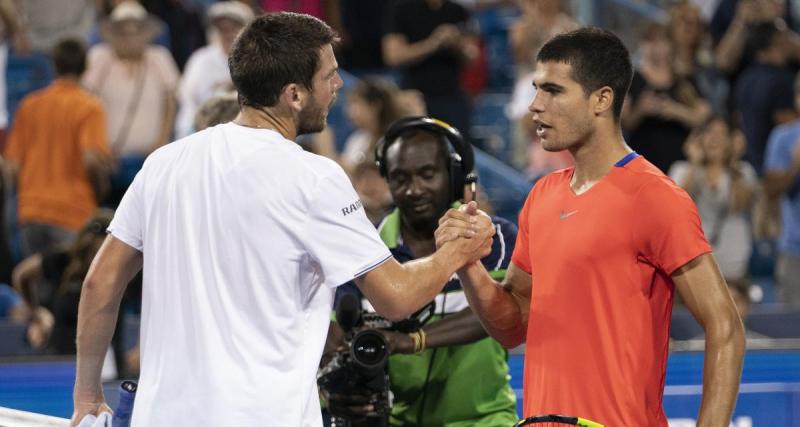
(731, 239)
(206, 74)
(134, 98)
(245, 237)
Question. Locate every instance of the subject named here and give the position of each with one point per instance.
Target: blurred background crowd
(91, 87)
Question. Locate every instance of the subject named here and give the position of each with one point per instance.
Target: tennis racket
(557, 420)
(127, 394)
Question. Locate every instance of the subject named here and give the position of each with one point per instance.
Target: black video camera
(361, 368)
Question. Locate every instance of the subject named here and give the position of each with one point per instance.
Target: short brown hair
(274, 50)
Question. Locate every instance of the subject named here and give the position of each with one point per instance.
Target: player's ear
(294, 96)
(602, 100)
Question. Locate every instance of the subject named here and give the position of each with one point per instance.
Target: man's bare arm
(113, 268)
(98, 168)
(10, 172)
(397, 290)
(167, 124)
(705, 293)
(459, 328)
(501, 307)
(24, 278)
(399, 52)
(777, 182)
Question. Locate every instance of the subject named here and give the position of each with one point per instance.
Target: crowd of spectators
(714, 104)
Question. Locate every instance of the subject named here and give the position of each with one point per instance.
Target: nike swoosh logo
(565, 215)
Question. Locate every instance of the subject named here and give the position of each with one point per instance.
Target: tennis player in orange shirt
(602, 247)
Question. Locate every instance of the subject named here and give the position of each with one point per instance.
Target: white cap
(234, 10)
(128, 10)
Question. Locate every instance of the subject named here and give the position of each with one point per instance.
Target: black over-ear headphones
(461, 161)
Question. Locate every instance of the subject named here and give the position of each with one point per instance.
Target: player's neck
(595, 158)
(266, 118)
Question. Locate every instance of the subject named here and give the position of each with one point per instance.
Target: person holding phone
(429, 42)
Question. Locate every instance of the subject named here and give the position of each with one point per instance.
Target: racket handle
(127, 393)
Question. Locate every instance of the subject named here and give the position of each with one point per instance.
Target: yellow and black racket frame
(570, 421)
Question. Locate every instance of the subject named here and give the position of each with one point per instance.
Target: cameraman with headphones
(446, 373)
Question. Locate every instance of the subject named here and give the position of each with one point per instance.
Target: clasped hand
(470, 229)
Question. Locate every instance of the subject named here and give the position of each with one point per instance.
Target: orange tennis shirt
(51, 131)
(598, 327)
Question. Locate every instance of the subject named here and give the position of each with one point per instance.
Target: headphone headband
(462, 162)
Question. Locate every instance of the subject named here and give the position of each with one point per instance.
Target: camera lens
(369, 349)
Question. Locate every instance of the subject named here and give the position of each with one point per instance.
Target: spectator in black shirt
(429, 41)
(663, 106)
(763, 95)
(360, 51)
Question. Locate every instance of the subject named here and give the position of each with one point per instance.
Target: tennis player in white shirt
(243, 237)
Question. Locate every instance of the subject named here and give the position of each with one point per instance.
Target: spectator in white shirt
(206, 73)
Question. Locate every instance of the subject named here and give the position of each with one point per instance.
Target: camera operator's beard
(311, 119)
